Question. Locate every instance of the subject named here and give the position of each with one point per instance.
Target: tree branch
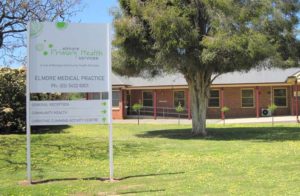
(215, 77)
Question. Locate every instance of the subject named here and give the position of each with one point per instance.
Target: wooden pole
(222, 103)
(257, 102)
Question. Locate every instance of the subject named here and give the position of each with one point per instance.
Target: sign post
(68, 58)
(28, 130)
(111, 160)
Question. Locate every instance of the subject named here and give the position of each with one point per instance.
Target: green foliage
(76, 96)
(45, 96)
(225, 109)
(179, 108)
(272, 108)
(212, 36)
(12, 100)
(137, 107)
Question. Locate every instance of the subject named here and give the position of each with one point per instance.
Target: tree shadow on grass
(102, 179)
(49, 129)
(230, 133)
(38, 130)
(153, 191)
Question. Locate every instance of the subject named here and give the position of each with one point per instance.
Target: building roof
(253, 76)
(257, 76)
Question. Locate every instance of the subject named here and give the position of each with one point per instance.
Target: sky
(96, 11)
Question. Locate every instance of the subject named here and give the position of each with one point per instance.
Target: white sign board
(68, 112)
(68, 57)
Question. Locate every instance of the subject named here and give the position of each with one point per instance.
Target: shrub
(137, 107)
(272, 108)
(12, 100)
(179, 108)
(224, 109)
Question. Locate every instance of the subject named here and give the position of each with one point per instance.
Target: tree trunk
(199, 84)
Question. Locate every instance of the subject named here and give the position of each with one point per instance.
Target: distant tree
(45, 96)
(137, 108)
(202, 39)
(272, 107)
(15, 14)
(12, 100)
(179, 109)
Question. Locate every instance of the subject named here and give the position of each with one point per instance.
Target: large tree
(202, 39)
(15, 14)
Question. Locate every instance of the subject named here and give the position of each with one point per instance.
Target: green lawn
(155, 160)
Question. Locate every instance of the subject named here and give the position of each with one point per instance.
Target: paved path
(277, 119)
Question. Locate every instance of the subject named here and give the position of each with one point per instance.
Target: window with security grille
(247, 98)
(147, 99)
(115, 98)
(179, 98)
(214, 99)
(280, 97)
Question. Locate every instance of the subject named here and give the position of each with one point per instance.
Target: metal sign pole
(111, 163)
(28, 154)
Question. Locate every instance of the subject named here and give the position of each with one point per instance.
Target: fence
(163, 112)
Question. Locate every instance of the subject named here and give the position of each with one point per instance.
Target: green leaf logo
(36, 28)
(61, 25)
(39, 47)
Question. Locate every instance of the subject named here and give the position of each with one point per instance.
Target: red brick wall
(294, 109)
(299, 100)
(232, 99)
(136, 97)
(118, 112)
(265, 98)
(164, 97)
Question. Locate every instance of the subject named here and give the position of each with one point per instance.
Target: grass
(155, 160)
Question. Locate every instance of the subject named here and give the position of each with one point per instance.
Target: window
(147, 99)
(99, 96)
(247, 98)
(179, 98)
(104, 95)
(214, 99)
(95, 96)
(280, 97)
(115, 98)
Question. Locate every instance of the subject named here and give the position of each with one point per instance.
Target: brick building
(245, 94)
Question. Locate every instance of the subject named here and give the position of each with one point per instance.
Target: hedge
(12, 100)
